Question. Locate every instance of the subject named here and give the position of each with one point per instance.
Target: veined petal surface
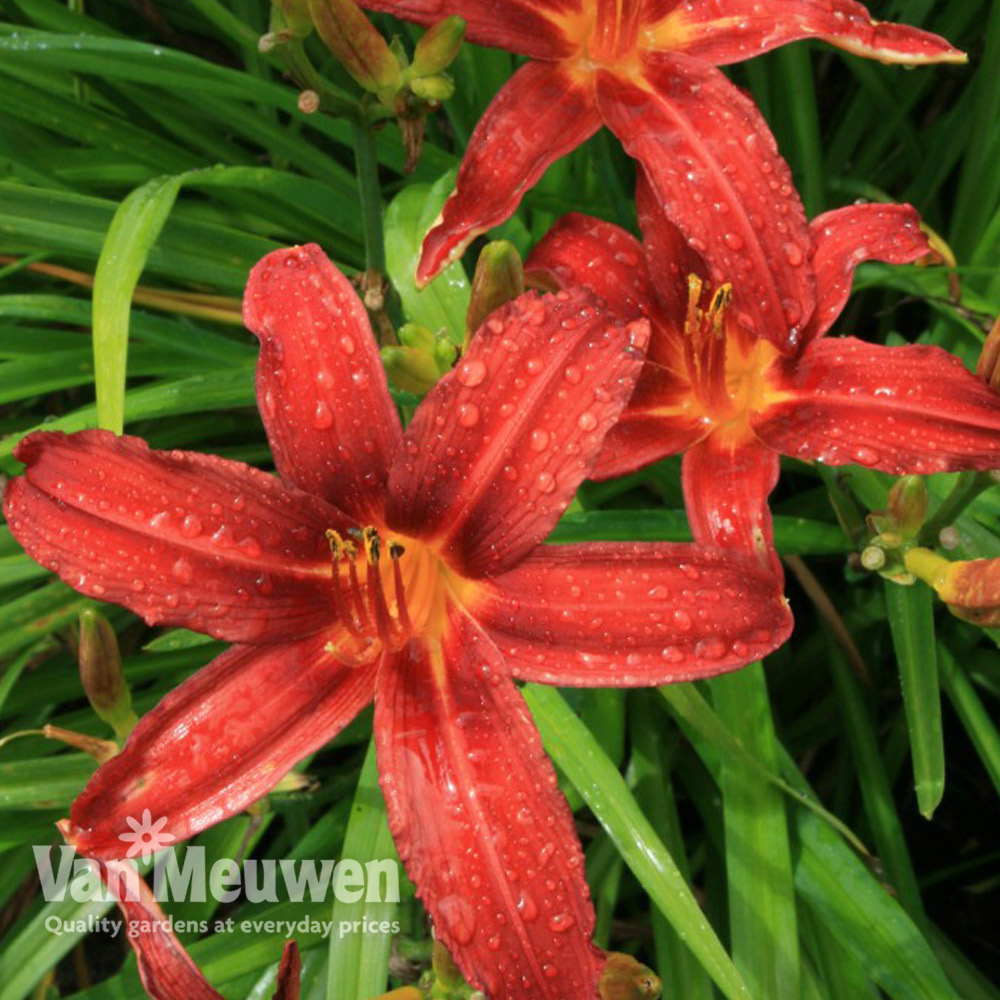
(221, 740)
(178, 538)
(480, 822)
(535, 28)
(714, 169)
(628, 614)
(728, 31)
(727, 480)
(913, 409)
(542, 113)
(597, 255)
(846, 237)
(321, 387)
(500, 445)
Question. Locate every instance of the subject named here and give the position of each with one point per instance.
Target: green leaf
(578, 754)
(134, 229)
(442, 305)
(359, 958)
(911, 619)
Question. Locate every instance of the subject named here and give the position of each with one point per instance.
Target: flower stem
(370, 194)
(965, 490)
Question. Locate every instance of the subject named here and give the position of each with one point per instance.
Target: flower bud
(101, 673)
(988, 366)
(908, 504)
(873, 558)
(295, 14)
(438, 47)
(624, 978)
(434, 89)
(420, 359)
(970, 588)
(360, 49)
(499, 278)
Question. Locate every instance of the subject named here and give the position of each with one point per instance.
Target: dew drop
(561, 922)
(471, 373)
(539, 440)
(526, 906)
(468, 414)
(459, 917)
(191, 526)
(347, 344)
(586, 421)
(572, 374)
(546, 482)
(322, 416)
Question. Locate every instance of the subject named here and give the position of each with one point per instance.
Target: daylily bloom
(647, 70)
(401, 566)
(733, 402)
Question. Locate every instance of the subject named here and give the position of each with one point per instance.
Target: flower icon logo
(146, 837)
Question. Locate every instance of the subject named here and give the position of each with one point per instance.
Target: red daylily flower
(647, 70)
(732, 402)
(401, 566)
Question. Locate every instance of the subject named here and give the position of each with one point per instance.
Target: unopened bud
(296, 17)
(873, 558)
(308, 102)
(908, 502)
(433, 89)
(446, 972)
(971, 589)
(360, 49)
(420, 359)
(988, 366)
(438, 46)
(102, 675)
(941, 253)
(624, 978)
(499, 278)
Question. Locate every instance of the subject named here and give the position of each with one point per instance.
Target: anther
(717, 307)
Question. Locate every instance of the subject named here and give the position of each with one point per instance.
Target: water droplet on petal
(191, 526)
(468, 414)
(539, 440)
(471, 373)
(322, 416)
(586, 421)
(561, 922)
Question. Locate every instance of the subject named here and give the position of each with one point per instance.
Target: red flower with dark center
(401, 566)
(647, 70)
(733, 403)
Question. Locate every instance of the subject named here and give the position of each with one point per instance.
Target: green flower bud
(624, 978)
(101, 673)
(438, 47)
(433, 88)
(908, 504)
(295, 14)
(360, 49)
(499, 278)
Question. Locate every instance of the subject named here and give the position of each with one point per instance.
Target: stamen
(403, 613)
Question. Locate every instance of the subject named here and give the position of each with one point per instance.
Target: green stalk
(965, 490)
(370, 194)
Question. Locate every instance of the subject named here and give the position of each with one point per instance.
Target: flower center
(728, 368)
(392, 589)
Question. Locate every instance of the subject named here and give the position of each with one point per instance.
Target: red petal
(629, 614)
(221, 740)
(726, 485)
(479, 821)
(846, 237)
(289, 974)
(727, 31)
(536, 28)
(165, 968)
(321, 386)
(912, 409)
(498, 448)
(179, 538)
(598, 255)
(541, 113)
(716, 173)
